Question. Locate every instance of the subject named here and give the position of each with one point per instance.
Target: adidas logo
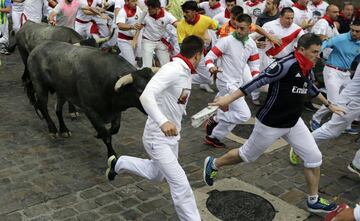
(298, 75)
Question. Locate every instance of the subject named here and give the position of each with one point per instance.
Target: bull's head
(139, 79)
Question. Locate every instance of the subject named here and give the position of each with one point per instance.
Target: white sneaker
(206, 88)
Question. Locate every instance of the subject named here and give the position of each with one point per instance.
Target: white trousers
(16, 20)
(164, 164)
(127, 51)
(203, 75)
(238, 112)
(333, 80)
(337, 124)
(149, 47)
(4, 29)
(299, 137)
(83, 29)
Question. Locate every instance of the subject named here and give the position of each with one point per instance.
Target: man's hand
(137, 26)
(169, 129)
(307, 24)
(275, 41)
(345, 215)
(222, 102)
(214, 70)
(337, 110)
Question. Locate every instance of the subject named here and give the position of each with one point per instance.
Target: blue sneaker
(321, 206)
(351, 131)
(110, 171)
(314, 125)
(209, 173)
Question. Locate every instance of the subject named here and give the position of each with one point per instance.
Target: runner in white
(224, 16)
(85, 15)
(17, 9)
(164, 100)
(232, 53)
(211, 7)
(254, 8)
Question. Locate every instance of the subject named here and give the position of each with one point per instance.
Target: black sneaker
(213, 142)
(210, 125)
(310, 107)
(110, 171)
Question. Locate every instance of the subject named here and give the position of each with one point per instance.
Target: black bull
(86, 77)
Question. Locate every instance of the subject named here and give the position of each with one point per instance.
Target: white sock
(313, 199)
(213, 165)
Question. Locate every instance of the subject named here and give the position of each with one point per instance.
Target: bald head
(332, 11)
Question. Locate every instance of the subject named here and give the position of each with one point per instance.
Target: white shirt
(321, 8)
(351, 90)
(123, 17)
(238, 2)
(220, 18)
(301, 16)
(33, 10)
(119, 3)
(293, 33)
(254, 9)
(17, 6)
(155, 28)
(285, 3)
(209, 11)
(66, 13)
(232, 56)
(322, 27)
(84, 3)
(165, 97)
(357, 212)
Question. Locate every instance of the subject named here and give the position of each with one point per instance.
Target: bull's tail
(30, 92)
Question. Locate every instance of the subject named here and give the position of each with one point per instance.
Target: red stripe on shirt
(254, 57)
(216, 51)
(285, 41)
(208, 62)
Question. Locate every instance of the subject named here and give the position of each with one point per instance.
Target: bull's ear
(124, 80)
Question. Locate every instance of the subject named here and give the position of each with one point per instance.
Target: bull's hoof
(74, 115)
(65, 134)
(53, 135)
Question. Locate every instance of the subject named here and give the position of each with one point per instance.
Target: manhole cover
(237, 205)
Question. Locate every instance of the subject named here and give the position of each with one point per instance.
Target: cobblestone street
(63, 179)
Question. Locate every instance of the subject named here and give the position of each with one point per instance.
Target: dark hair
(153, 3)
(276, 2)
(230, 1)
(237, 10)
(244, 18)
(191, 45)
(356, 22)
(346, 3)
(309, 39)
(190, 5)
(286, 9)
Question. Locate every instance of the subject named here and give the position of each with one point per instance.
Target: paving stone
(293, 196)
(105, 187)
(149, 206)
(85, 206)
(91, 193)
(64, 213)
(129, 191)
(112, 218)
(169, 210)
(42, 218)
(110, 209)
(130, 202)
(106, 199)
(131, 214)
(88, 216)
(36, 210)
(275, 190)
(63, 202)
(155, 217)
(11, 217)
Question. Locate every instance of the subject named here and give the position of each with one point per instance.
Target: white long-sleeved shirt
(155, 28)
(33, 10)
(321, 8)
(254, 9)
(232, 56)
(125, 16)
(165, 97)
(322, 27)
(84, 3)
(301, 16)
(222, 17)
(211, 12)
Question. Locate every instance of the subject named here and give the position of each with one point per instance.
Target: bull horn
(77, 44)
(102, 40)
(124, 80)
(155, 69)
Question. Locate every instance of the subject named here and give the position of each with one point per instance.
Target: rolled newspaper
(199, 118)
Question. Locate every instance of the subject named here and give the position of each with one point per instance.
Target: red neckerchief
(130, 12)
(217, 5)
(196, 19)
(187, 62)
(329, 20)
(297, 5)
(90, 2)
(305, 64)
(160, 14)
(227, 13)
(252, 4)
(317, 4)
